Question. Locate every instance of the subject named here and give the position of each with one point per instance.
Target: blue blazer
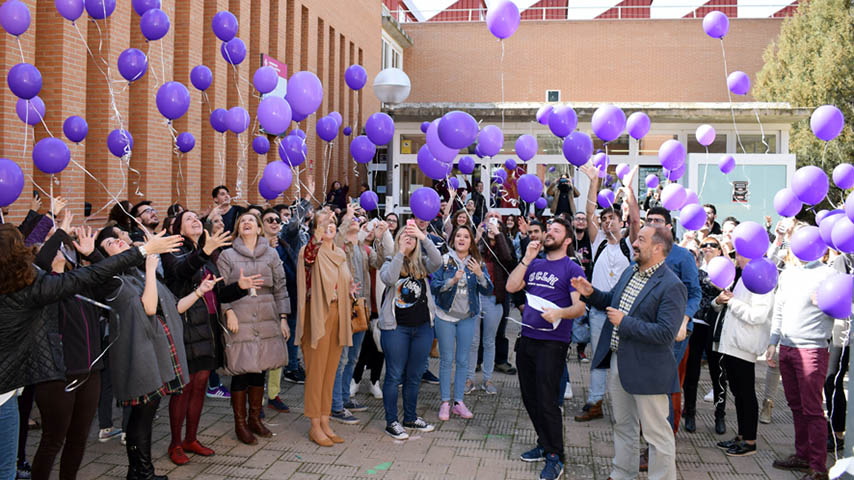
(646, 362)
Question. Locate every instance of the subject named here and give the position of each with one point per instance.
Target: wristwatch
(142, 250)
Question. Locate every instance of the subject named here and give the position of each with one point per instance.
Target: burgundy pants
(188, 405)
(803, 371)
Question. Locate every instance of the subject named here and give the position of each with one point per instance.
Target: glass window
(395, 58)
(549, 145)
(619, 146)
(410, 143)
(385, 54)
(754, 143)
(718, 146)
(411, 179)
(651, 142)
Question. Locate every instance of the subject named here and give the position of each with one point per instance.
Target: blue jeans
(293, 349)
(491, 317)
(678, 352)
(8, 438)
(598, 376)
(564, 379)
(341, 387)
(406, 351)
(455, 342)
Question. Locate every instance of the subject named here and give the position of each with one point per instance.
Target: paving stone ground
(485, 447)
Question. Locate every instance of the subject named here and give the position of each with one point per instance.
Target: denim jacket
(440, 285)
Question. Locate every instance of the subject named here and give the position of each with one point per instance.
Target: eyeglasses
(655, 220)
(710, 245)
(273, 220)
(147, 210)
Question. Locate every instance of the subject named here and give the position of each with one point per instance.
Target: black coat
(30, 342)
(184, 270)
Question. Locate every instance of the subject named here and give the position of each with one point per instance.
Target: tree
(812, 64)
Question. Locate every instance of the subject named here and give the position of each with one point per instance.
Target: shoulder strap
(624, 247)
(599, 250)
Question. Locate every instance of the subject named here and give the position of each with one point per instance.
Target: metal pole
(849, 417)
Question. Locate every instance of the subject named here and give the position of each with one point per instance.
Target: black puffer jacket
(30, 343)
(184, 270)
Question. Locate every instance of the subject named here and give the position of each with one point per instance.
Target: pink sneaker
(444, 411)
(461, 410)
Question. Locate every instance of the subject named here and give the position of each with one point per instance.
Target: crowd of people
(143, 309)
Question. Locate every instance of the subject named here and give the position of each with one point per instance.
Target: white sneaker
(376, 390)
(354, 388)
(107, 434)
(124, 440)
(567, 394)
(709, 396)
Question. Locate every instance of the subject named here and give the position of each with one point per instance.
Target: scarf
(329, 273)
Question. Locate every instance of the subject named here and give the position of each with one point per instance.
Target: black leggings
(240, 383)
(371, 358)
(701, 341)
(834, 390)
(742, 381)
(25, 407)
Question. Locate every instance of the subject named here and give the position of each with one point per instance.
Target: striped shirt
(630, 293)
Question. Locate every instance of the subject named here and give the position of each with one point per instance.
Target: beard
(554, 245)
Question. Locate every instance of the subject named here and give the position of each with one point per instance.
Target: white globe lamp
(392, 86)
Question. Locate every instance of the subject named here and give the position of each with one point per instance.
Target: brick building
(314, 35)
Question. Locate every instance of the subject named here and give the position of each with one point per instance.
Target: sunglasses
(710, 245)
(273, 220)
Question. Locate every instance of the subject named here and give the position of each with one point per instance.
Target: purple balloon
(478, 152)
(11, 182)
(835, 295)
(843, 176)
(608, 122)
(544, 113)
(510, 164)
(425, 203)
(24, 80)
(457, 129)
(454, 183)
(750, 239)
(541, 204)
(501, 173)
(355, 76)
(185, 142)
(293, 150)
(347, 131)
(278, 175)
(100, 9)
(577, 148)
(173, 100)
(841, 235)
(261, 145)
(490, 140)
(601, 161)
(142, 6)
(265, 190)
(716, 24)
(69, 9)
(726, 163)
(825, 225)
(201, 77)
(705, 135)
(738, 82)
(224, 25)
(526, 147)
(132, 64)
(676, 173)
(692, 216)
(30, 111)
(327, 128)
(651, 181)
(820, 216)
(298, 133)
(691, 197)
(810, 184)
(760, 276)
(362, 149)
(562, 121)
(298, 117)
(721, 272)
(786, 204)
(338, 118)
(305, 93)
(51, 155)
(424, 126)
(503, 19)
(218, 120)
(274, 115)
(673, 196)
(622, 170)
(233, 51)
(530, 187)
(466, 165)
(671, 154)
(75, 128)
(430, 165)
(379, 128)
(439, 150)
(369, 200)
(120, 142)
(265, 79)
(15, 17)
(806, 243)
(638, 125)
(605, 198)
(827, 122)
(154, 24)
(237, 119)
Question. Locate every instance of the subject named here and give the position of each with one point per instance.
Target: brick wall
(74, 84)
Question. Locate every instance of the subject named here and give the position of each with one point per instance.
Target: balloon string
(761, 131)
(705, 175)
(844, 334)
(20, 49)
(37, 185)
(327, 156)
(222, 159)
(241, 144)
(52, 206)
(729, 95)
(502, 85)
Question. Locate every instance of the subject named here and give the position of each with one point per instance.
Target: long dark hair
(473, 250)
(16, 260)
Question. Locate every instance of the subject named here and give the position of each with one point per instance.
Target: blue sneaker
(553, 469)
(535, 454)
(278, 404)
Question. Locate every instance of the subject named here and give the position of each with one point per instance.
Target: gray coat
(390, 274)
(258, 344)
(140, 360)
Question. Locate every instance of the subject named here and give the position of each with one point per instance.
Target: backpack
(623, 248)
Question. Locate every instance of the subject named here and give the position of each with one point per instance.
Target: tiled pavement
(485, 447)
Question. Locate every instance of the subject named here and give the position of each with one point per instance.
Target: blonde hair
(413, 264)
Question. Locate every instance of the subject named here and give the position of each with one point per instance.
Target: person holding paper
(541, 351)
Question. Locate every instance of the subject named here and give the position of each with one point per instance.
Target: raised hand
(151, 263)
(85, 243)
(380, 229)
(217, 240)
(253, 281)
(532, 251)
(414, 231)
(58, 205)
(475, 267)
(207, 284)
(65, 224)
(160, 243)
(589, 170)
(581, 285)
(36, 204)
(523, 225)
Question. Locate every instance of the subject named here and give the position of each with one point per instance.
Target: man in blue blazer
(645, 311)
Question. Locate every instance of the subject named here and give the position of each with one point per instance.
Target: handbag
(581, 330)
(359, 319)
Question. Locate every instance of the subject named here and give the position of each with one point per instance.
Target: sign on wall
(282, 69)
